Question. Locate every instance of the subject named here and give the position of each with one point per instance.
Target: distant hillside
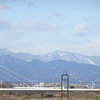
(48, 71)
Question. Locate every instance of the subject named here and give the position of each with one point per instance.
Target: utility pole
(64, 85)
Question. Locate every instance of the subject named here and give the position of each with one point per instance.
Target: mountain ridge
(48, 71)
(56, 55)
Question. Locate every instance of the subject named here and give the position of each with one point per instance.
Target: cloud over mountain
(84, 29)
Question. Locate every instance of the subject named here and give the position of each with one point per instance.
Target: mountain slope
(5, 51)
(48, 71)
(67, 56)
(21, 55)
(57, 55)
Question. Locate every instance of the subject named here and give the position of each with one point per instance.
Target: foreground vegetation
(45, 99)
(48, 96)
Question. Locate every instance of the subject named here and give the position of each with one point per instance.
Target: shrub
(48, 95)
(18, 94)
(1, 93)
(96, 98)
(25, 97)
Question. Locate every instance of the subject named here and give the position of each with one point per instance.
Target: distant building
(42, 84)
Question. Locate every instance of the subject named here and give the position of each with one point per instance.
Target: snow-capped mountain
(22, 56)
(57, 55)
(67, 56)
(4, 52)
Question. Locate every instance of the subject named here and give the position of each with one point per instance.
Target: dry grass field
(48, 96)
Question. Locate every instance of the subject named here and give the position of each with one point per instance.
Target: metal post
(93, 84)
(32, 83)
(64, 84)
(1, 84)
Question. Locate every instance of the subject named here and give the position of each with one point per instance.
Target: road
(40, 89)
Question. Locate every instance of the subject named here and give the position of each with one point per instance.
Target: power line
(16, 73)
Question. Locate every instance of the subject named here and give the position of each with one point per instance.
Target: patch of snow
(60, 54)
(91, 62)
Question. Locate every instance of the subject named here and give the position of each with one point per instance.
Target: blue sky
(42, 26)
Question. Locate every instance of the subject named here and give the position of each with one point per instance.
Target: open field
(48, 96)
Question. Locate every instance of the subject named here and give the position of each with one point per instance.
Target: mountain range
(57, 55)
(50, 66)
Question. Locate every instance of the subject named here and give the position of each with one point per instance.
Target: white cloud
(3, 7)
(4, 25)
(92, 47)
(57, 15)
(77, 41)
(10, 0)
(98, 1)
(26, 2)
(87, 47)
(3, 0)
(38, 26)
(32, 27)
(30, 4)
(84, 29)
(29, 27)
(91, 17)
